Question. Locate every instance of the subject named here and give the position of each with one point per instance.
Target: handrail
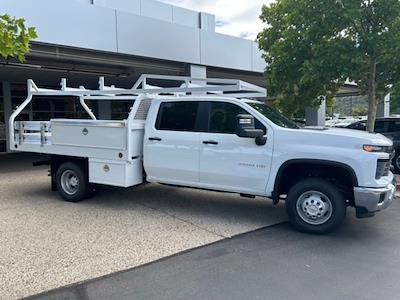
(14, 115)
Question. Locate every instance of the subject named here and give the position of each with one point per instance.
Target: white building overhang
(144, 28)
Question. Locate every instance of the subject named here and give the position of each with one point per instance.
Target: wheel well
(339, 174)
(57, 160)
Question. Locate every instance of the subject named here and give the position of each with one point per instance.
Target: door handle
(210, 142)
(155, 139)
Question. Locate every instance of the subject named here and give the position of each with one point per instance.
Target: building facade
(119, 39)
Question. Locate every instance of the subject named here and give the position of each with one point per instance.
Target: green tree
(395, 99)
(313, 46)
(359, 111)
(15, 37)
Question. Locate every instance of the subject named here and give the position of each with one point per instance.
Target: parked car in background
(389, 127)
(342, 122)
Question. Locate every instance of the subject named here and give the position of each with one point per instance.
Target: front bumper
(370, 200)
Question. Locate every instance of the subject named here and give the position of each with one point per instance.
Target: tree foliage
(395, 99)
(15, 37)
(312, 47)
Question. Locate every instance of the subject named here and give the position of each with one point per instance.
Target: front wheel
(396, 163)
(315, 206)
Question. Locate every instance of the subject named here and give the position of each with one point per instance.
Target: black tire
(315, 198)
(72, 192)
(396, 163)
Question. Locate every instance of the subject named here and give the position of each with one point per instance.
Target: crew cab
(211, 136)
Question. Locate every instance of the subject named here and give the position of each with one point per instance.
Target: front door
(229, 162)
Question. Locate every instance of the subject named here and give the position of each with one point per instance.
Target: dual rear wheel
(72, 182)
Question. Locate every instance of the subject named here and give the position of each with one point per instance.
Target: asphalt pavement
(361, 260)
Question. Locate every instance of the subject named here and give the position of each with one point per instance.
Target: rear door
(171, 144)
(229, 162)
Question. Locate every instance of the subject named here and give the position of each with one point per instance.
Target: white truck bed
(104, 143)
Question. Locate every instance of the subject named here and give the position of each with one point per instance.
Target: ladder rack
(177, 86)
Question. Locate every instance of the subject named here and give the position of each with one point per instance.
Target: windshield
(273, 115)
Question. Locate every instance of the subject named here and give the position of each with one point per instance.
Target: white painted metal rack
(39, 132)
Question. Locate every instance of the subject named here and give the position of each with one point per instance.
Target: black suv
(389, 127)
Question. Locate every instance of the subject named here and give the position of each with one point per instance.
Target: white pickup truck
(208, 134)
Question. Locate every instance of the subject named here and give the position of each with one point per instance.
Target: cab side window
(380, 126)
(394, 126)
(222, 118)
(177, 116)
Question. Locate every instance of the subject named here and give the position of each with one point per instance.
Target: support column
(104, 109)
(383, 108)
(316, 116)
(7, 109)
(207, 21)
(197, 71)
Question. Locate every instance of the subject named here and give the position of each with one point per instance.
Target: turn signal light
(372, 148)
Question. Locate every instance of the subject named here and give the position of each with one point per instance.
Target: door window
(394, 126)
(177, 116)
(380, 126)
(222, 118)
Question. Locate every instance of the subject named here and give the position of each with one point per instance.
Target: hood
(343, 135)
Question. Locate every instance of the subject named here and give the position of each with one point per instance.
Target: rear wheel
(72, 182)
(315, 206)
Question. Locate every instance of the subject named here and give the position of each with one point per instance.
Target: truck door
(229, 162)
(171, 144)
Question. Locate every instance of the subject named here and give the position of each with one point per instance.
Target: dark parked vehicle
(389, 127)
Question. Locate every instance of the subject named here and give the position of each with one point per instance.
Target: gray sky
(233, 17)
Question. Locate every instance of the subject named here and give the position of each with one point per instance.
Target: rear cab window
(177, 116)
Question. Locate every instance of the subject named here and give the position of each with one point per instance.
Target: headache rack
(27, 135)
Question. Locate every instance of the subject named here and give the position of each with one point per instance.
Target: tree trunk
(372, 103)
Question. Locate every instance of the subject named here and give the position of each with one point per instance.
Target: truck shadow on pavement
(191, 205)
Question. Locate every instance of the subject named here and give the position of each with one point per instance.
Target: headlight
(372, 148)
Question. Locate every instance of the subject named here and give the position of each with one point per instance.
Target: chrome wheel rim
(69, 182)
(314, 207)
